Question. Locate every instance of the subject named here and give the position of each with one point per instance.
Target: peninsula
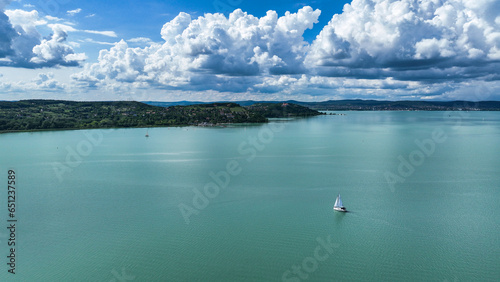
(29, 115)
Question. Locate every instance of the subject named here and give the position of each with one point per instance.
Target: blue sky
(259, 50)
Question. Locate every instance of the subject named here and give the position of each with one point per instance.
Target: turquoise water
(103, 205)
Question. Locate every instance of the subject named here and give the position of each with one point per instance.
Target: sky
(233, 50)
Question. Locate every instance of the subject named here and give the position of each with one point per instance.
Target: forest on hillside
(52, 114)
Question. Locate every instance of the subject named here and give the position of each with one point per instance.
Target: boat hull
(342, 209)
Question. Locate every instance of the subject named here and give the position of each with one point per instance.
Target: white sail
(338, 202)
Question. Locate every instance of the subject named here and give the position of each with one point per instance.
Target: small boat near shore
(338, 206)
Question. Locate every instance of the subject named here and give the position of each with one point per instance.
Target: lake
(254, 202)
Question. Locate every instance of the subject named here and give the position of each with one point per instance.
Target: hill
(53, 114)
(277, 110)
(373, 105)
(370, 105)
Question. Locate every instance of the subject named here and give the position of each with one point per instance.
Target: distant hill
(369, 105)
(187, 103)
(53, 114)
(373, 105)
(180, 103)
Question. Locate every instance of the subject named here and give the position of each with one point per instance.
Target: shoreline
(221, 125)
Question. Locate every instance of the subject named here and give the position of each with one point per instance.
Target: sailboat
(338, 205)
(147, 134)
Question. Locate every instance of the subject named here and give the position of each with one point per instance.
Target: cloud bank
(425, 40)
(211, 52)
(401, 47)
(25, 46)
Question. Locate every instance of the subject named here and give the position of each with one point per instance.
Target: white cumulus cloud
(74, 12)
(22, 44)
(211, 52)
(46, 81)
(30, 50)
(453, 39)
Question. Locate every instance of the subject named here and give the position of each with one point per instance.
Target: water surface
(113, 212)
